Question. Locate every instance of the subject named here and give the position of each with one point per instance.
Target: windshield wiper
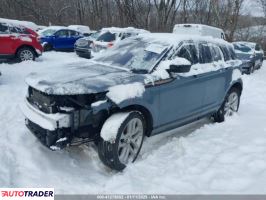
(139, 71)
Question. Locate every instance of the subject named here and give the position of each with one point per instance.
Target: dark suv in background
(144, 86)
(251, 54)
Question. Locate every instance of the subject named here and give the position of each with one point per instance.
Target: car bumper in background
(83, 52)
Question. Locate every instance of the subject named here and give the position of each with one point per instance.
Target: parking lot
(199, 158)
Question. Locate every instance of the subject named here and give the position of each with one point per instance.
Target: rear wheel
(127, 144)
(230, 105)
(26, 54)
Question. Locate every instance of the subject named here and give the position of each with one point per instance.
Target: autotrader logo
(27, 193)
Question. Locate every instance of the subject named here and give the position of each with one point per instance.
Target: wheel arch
(146, 114)
(27, 46)
(237, 84)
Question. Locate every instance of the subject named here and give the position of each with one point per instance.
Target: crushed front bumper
(53, 130)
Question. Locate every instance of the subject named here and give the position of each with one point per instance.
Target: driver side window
(189, 52)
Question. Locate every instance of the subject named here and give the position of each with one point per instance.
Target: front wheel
(126, 145)
(230, 105)
(25, 54)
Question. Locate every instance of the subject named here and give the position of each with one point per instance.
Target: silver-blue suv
(144, 86)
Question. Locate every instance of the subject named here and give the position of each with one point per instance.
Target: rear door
(74, 36)
(216, 74)
(6, 40)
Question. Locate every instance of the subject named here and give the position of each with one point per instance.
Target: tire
(251, 69)
(26, 53)
(230, 105)
(111, 153)
(48, 47)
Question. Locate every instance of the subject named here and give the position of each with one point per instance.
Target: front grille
(52, 104)
(43, 102)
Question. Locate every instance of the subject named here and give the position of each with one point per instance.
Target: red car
(18, 42)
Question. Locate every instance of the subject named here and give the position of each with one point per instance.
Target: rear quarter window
(226, 53)
(215, 52)
(4, 29)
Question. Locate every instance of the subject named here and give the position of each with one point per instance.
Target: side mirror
(179, 68)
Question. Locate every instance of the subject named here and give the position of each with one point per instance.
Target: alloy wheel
(130, 141)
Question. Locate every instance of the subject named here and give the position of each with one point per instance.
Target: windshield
(134, 54)
(48, 32)
(95, 35)
(106, 37)
(242, 48)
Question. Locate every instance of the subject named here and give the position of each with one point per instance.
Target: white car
(104, 39)
(199, 30)
(110, 36)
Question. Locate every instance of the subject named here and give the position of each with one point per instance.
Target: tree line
(153, 15)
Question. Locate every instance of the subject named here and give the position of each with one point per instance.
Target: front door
(182, 98)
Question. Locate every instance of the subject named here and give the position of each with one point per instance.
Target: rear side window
(62, 33)
(205, 53)
(216, 53)
(107, 37)
(73, 33)
(189, 52)
(4, 29)
(226, 53)
(232, 53)
(19, 30)
(125, 35)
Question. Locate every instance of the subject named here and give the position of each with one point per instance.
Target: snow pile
(111, 126)
(120, 93)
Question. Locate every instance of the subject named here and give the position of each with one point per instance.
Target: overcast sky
(251, 7)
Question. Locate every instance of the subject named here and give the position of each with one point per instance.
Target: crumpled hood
(81, 78)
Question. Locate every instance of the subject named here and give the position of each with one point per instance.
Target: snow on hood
(81, 78)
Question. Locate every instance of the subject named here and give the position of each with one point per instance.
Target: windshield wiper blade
(139, 71)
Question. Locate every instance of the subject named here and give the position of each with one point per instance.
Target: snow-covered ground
(225, 158)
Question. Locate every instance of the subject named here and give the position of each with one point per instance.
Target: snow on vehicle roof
(199, 29)
(26, 24)
(56, 28)
(80, 28)
(175, 39)
(128, 29)
(199, 26)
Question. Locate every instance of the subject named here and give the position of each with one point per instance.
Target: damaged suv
(144, 86)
